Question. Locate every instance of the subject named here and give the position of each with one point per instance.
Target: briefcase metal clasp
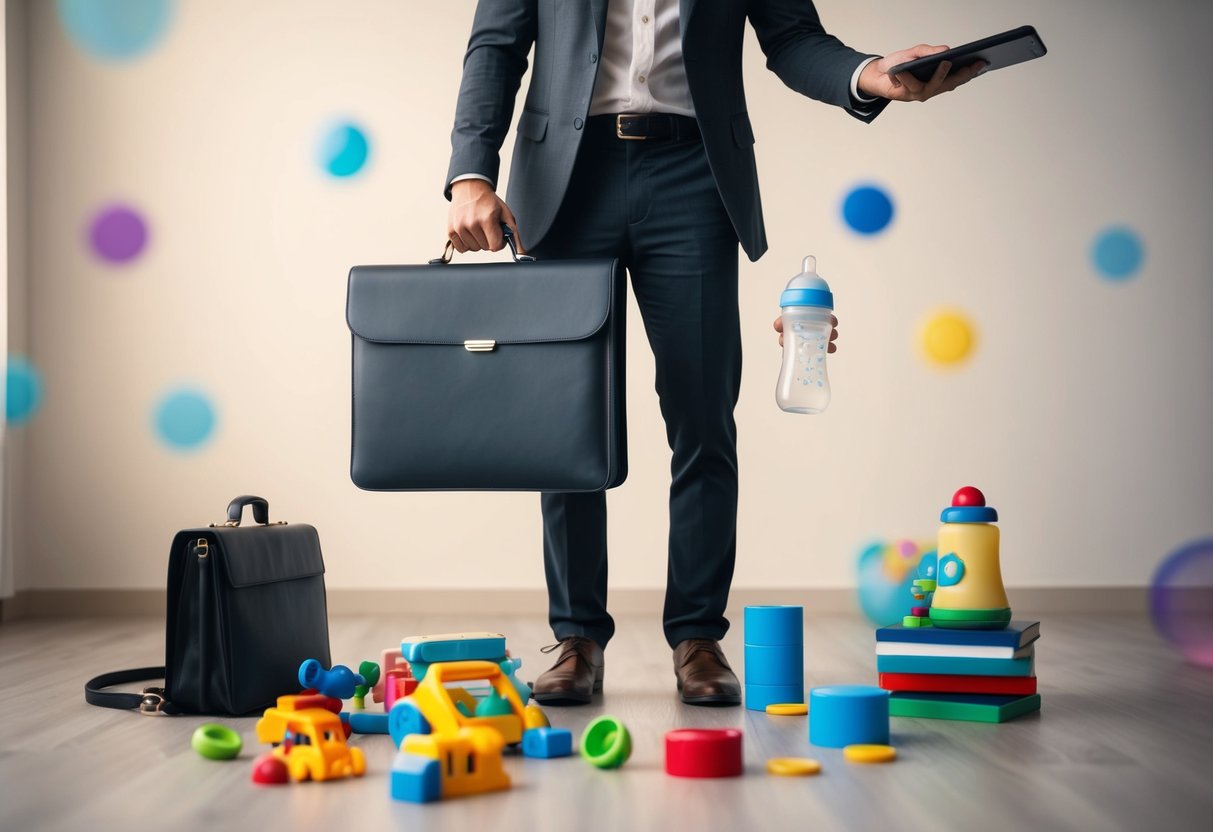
(484, 345)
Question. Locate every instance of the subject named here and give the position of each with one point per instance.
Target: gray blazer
(567, 36)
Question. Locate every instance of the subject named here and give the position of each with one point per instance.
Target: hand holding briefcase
(488, 376)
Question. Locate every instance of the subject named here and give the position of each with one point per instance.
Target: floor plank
(1125, 741)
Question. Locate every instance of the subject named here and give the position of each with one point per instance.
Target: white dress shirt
(641, 68)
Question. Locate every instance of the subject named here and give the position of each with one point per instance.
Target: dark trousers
(655, 206)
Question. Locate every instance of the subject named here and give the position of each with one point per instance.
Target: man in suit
(634, 142)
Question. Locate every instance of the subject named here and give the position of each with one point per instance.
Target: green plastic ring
(215, 742)
(993, 619)
(606, 743)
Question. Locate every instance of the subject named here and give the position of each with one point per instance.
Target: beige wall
(1084, 414)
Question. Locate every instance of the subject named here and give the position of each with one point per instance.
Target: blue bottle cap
(807, 288)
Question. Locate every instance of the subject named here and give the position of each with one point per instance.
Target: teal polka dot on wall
(344, 149)
(115, 29)
(23, 391)
(184, 419)
(1117, 253)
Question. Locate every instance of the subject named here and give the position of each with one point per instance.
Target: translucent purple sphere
(1181, 601)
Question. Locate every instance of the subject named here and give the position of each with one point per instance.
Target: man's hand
(876, 81)
(833, 332)
(474, 220)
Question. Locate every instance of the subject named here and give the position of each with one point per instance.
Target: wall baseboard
(96, 603)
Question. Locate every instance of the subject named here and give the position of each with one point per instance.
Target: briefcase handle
(448, 250)
(261, 510)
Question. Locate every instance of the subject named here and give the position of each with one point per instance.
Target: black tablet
(1006, 49)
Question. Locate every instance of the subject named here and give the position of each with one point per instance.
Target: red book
(928, 683)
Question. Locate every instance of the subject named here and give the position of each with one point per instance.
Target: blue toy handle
(339, 682)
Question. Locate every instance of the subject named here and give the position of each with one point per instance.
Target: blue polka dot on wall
(344, 149)
(184, 419)
(867, 209)
(1117, 253)
(115, 29)
(23, 391)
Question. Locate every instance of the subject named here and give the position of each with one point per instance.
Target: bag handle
(448, 251)
(261, 511)
(150, 702)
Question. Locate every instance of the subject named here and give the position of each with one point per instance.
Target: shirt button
(641, 79)
(644, 19)
(577, 123)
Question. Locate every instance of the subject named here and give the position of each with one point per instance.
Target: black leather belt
(648, 126)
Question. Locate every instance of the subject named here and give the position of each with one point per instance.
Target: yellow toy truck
(309, 739)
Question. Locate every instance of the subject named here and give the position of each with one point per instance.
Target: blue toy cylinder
(757, 697)
(842, 715)
(772, 626)
(774, 665)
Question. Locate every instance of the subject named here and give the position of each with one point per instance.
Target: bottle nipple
(809, 265)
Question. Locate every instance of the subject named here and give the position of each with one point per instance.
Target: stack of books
(974, 675)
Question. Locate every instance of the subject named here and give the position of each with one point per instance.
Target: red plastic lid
(703, 752)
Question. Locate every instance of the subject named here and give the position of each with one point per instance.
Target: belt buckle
(619, 129)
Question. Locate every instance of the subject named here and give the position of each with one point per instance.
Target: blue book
(1017, 634)
(955, 666)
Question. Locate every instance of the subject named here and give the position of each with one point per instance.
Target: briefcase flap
(252, 555)
(510, 303)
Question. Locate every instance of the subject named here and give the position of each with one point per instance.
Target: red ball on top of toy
(968, 496)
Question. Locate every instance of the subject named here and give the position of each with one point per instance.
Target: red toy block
(703, 752)
(935, 683)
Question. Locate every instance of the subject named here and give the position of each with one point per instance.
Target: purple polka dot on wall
(117, 234)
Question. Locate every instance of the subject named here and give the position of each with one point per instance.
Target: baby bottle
(807, 306)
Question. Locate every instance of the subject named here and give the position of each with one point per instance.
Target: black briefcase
(498, 376)
(246, 607)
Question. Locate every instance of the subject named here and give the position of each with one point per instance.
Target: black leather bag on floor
(488, 377)
(246, 607)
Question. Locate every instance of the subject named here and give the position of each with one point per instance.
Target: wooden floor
(1124, 741)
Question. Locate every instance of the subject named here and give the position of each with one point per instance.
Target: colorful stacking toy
(774, 656)
(969, 592)
(974, 675)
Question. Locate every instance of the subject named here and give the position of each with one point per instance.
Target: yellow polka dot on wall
(947, 338)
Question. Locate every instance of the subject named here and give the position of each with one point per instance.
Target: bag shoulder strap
(151, 701)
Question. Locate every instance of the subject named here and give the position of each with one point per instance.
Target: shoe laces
(702, 645)
(572, 644)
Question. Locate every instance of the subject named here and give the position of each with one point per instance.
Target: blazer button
(577, 123)
(593, 58)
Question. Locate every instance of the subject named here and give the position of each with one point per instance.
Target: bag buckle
(153, 702)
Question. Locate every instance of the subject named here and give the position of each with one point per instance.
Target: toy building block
(915, 621)
(415, 779)
(758, 697)
(393, 667)
(703, 752)
(452, 647)
(957, 665)
(842, 715)
(774, 665)
(469, 759)
(362, 722)
(966, 707)
(339, 682)
(934, 683)
(547, 743)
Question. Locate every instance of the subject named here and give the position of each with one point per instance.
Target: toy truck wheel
(359, 761)
(299, 771)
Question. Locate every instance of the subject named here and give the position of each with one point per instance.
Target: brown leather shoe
(575, 677)
(704, 675)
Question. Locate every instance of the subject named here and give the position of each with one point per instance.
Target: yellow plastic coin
(870, 753)
(788, 709)
(947, 337)
(793, 766)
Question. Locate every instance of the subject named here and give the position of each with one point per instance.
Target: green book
(970, 707)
